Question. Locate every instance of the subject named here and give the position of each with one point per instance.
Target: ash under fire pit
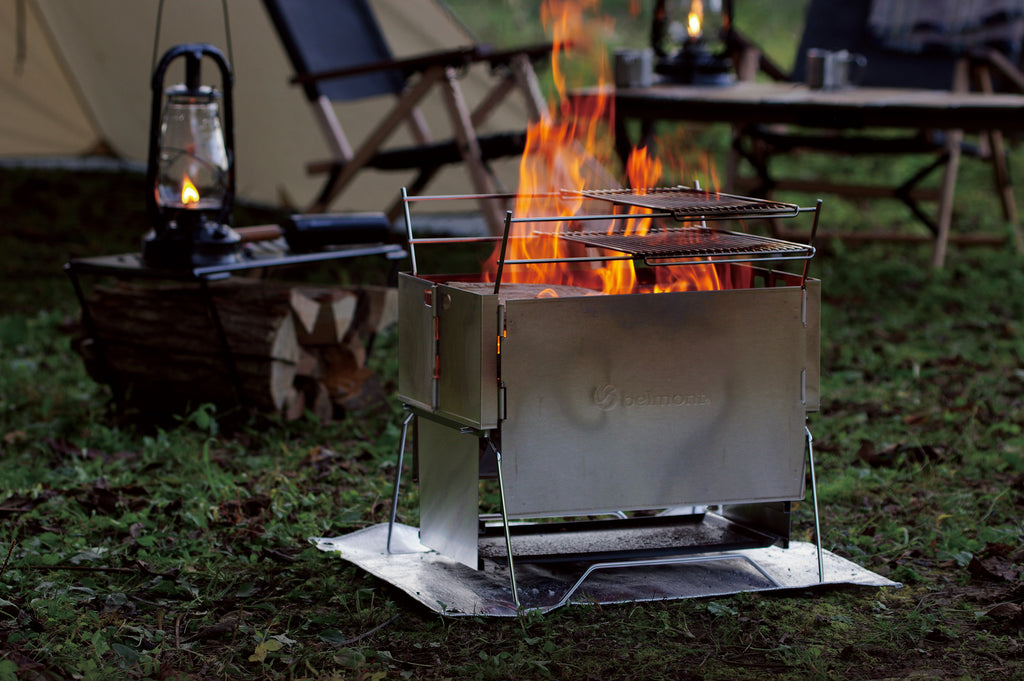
(657, 427)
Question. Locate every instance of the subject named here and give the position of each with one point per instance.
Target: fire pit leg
(814, 498)
(504, 523)
(398, 477)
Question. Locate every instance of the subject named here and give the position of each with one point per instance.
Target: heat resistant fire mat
(450, 588)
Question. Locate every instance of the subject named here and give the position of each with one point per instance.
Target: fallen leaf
(1005, 612)
(18, 504)
(994, 569)
(260, 654)
(917, 419)
(264, 647)
(283, 639)
(225, 627)
(891, 455)
(886, 458)
(99, 500)
(998, 549)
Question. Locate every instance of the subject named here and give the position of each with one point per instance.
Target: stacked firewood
(334, 326)
(293, 347)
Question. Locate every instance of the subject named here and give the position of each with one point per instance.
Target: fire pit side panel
(468, 354)
(448, 352)
(812, 322)
(650, 401)
(417, 345)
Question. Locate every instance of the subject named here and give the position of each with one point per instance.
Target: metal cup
(817, 67)
(834, 70)
(848, 69)
(633, 68)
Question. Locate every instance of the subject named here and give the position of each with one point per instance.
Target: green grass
(178, 549)
(133, 551)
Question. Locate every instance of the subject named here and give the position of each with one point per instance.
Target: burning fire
(695, 19)
(189, 193)
(561, 158)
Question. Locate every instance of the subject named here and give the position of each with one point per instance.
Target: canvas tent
(74, 79)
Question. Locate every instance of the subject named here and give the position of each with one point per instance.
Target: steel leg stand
(505, 527)
(814, 498)
(398, 477)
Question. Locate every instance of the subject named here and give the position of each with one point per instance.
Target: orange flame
(561, 158)
(643, 171)
(189, 193)
(695, 19)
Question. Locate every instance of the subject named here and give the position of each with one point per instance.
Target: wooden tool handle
(259, 233)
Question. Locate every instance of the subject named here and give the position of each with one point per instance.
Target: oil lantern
(190, 172)
(689, 38)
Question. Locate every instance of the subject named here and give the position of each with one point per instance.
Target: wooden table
(746, 103)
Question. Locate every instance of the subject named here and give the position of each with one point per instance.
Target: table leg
(949, 173)
(1000, 169)
(954, 140)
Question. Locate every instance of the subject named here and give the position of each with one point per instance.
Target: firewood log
(163, 347)
(310, 395)
(295, 347)
(323, 315)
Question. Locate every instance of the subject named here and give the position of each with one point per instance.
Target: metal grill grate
(688, 242)
(607, 234)
(688, 204)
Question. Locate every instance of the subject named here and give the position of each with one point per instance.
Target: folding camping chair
(891, 62)
(339, 54)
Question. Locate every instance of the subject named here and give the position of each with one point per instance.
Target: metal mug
(633, 68)
(834, 70)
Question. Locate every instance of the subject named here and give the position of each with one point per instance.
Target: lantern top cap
(195, 95)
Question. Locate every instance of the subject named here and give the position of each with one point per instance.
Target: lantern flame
(189, 193)
(694, 19)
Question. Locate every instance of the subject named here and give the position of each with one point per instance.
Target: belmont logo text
(608, 397)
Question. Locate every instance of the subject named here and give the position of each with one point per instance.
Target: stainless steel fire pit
(649, 424)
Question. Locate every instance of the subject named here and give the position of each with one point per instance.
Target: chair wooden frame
(441, 70)
(422, 75)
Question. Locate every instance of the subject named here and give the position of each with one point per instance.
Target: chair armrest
(408, 65)
(461, 56)
(503, 57)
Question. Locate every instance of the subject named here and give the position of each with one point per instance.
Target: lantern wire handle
(156, 38)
